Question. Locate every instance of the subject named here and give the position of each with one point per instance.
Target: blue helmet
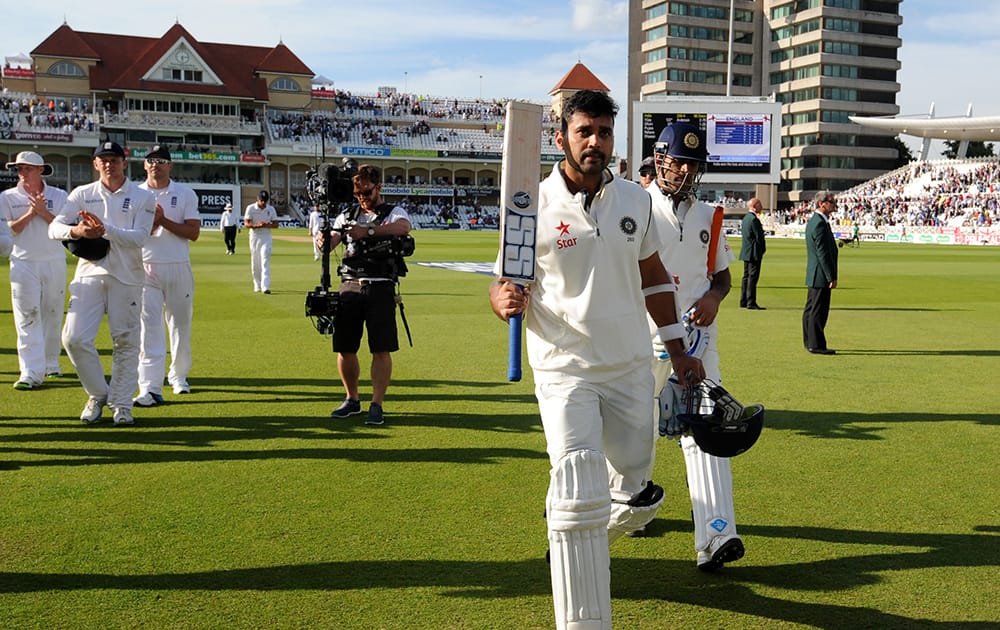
(682, 140)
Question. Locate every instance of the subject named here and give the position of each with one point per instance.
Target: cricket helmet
(719, 424)
(680, 142)
(88, 248)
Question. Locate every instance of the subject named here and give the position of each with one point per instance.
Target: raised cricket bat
(520, 170)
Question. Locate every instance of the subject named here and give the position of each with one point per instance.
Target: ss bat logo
(521, 199)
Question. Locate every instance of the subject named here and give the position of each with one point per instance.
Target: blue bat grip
(514, 350)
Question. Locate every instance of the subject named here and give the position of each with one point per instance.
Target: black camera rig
(328, 187)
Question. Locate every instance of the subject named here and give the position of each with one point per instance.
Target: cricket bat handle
(514, 348)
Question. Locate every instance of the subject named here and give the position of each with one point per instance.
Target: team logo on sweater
(628, 226)
(703, 235)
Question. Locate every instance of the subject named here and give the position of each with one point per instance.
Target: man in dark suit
(821, 273)
(751, 253)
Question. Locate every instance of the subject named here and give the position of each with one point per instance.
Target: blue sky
(514, 48)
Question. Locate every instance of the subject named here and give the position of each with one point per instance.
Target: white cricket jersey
(179, 204)
(587, 316)
(686, 232)
(228, 219)
(127, 214)
(32, 244)
(255, 214)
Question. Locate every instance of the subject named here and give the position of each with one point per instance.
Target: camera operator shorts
(371, 304)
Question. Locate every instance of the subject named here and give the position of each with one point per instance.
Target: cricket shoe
(123, 417)
(719, 552)
(93, 410)
(182, 387)
(149, 399)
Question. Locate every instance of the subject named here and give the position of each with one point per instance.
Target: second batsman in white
(118, 210)
(168, 289)
(685, 225)
(597, 274)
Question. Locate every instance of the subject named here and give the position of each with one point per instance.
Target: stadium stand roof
(979, 128)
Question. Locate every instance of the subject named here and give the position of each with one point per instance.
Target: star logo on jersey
(564, 243)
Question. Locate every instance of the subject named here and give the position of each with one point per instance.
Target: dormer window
(66, 69)
(177, 74)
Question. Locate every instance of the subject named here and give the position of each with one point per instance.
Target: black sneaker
(375, 415)
(729, 551)
(347, 408)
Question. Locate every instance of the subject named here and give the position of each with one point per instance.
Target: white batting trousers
(710, 478)
(260, 262)
(38, 296)
(167, 308)
(89, 299)
(610, 417)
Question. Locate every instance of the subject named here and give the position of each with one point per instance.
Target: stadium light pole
(729, 57)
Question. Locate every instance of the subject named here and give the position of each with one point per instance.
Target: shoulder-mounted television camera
(328, 185)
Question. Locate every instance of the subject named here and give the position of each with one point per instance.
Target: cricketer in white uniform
(597, 274)
(6, 240)
(168, 290)
(685, 225)
(123, 213)
(37, 269)
(314, 226)
(260, 217)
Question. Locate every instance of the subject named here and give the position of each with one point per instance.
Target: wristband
(659, 288)
(671, 331)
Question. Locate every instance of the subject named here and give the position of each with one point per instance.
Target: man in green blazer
(821, 273)
(751, 253)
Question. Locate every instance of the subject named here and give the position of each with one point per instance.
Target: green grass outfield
(870, 501)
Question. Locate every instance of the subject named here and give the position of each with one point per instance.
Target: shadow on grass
(159, 439)
(645, 579)
(848, 425)
(930, 352)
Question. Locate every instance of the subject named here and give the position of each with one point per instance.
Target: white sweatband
(659, 288)
(671, 331)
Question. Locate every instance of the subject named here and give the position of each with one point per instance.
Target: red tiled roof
(579, 77)
(67, 42)
(123, 60)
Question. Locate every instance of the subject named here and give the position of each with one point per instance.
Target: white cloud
(599, 16)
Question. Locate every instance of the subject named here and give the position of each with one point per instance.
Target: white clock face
(182, 56)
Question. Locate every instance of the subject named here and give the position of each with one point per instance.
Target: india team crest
(703, 235)
(628, 226)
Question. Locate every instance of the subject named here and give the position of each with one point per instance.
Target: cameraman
(367, 291)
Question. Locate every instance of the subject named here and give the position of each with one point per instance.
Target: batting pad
(578, 509)
(710, 483)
